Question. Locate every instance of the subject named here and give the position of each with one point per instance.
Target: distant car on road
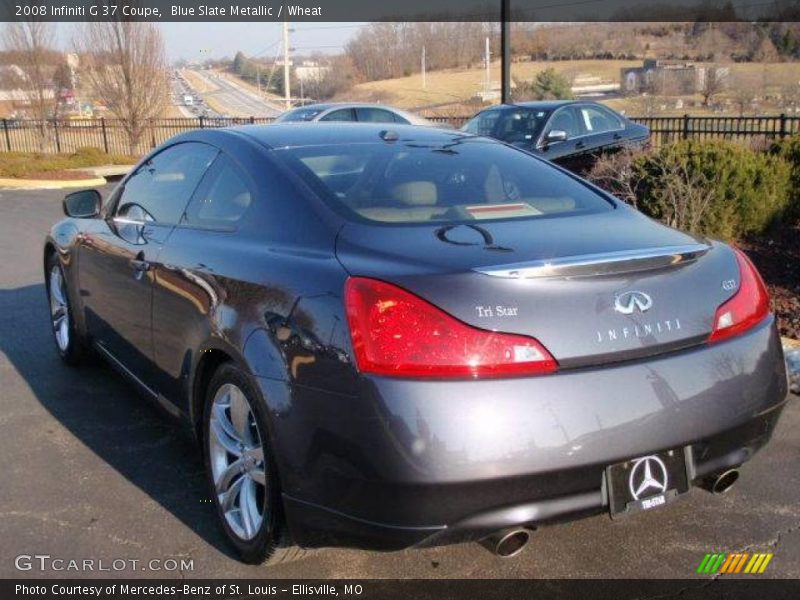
(188, 100)
(570, 133)
(369, 113)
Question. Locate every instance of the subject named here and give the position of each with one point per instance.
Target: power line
(316, 27)
(339, 46)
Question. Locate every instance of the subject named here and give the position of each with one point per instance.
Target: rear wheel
(70, 345)
(241, 470)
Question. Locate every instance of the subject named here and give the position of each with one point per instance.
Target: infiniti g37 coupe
(395, 337)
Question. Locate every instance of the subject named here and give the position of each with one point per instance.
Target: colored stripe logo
(741, 562)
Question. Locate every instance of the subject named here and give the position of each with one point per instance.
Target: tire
(251, 512)
(71, 346)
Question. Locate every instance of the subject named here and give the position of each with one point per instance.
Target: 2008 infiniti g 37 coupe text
(386, 338)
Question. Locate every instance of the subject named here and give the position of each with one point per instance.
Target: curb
(791, 350)
(49, 184)
(790, 343)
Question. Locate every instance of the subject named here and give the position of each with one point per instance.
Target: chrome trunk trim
(607, 263)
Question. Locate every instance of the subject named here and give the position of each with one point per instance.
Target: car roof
(540, 104)
(293, 135)
(327, 105)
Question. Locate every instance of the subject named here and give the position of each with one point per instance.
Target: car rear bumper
(410, 463)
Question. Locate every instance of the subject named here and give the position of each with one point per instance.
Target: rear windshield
(464, 180)
(300, 114)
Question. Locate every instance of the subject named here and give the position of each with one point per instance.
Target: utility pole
(286, 90)
(487, 64)
(505, 54)
(424, 74)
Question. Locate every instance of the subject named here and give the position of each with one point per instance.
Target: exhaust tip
(721, 482)
(725, 481)
(508, 543)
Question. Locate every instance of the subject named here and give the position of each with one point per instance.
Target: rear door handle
(139, 264)
(580, 145)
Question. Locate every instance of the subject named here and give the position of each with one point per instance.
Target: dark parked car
(570, 133)
(351, 113)
(386, 338)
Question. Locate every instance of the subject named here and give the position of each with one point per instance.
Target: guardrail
(67, 135)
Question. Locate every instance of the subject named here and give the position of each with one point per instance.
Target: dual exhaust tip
(510, 542)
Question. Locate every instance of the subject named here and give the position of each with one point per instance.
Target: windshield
(464, 180)
(300, 114)
(520, 126)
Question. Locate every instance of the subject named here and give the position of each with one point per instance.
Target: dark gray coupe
(387, 336)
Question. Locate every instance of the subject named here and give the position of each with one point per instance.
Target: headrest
(415, 193)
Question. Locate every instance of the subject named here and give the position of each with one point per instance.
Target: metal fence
(664, 130)
(68, 135)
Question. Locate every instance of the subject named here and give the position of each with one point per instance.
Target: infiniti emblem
(648, 476)
(627, 302)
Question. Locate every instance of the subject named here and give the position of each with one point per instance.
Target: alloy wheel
(237, 461)
(59, 309)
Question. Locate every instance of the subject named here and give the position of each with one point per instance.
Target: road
(235, 100)
(91, 470)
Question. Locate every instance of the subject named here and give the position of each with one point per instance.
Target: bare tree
(679, 194)
(617, 174)
(30, 43)
(714, 83)
(126, 68)
(684, 195)
(744, 95)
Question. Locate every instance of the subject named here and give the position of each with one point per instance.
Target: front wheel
(241, 470)
(70, 345)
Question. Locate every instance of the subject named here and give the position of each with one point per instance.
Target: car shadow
(94, 403)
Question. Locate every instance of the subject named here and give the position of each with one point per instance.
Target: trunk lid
(592, 288)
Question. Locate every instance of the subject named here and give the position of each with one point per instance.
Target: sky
(198, 41)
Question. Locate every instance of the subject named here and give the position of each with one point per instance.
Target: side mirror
(556, 135)
(83, 205)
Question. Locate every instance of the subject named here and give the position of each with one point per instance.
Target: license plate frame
(652, 486)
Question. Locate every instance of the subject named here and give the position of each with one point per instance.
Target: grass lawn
(454, 85)
(23, 165)
(459, 85)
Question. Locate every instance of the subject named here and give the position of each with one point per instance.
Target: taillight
(747, 308)
(398, 334)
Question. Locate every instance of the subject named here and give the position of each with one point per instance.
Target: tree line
(122, 65)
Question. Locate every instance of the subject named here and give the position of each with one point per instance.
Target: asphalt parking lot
(90, 470)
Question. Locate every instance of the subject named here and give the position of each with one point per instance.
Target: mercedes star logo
(648, 476)
(627, 302)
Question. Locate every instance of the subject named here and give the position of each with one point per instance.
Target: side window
(400, 119)
(222, 199)
(376, 115)
(344, 114)
(565, 120)
(483, 124)
(597, 119)
(159, 189)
